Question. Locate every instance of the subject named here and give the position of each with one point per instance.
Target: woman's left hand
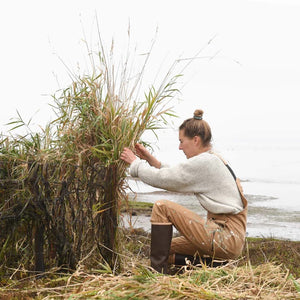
(128, 156)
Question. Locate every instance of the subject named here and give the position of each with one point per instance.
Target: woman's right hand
(127, 155)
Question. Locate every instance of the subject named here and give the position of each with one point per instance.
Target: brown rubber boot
(161, 236)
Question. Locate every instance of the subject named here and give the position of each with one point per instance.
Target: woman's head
(196, 127)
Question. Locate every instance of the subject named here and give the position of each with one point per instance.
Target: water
(270, 172)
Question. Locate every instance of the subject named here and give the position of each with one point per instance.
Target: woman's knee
(162, 202)
(160, 211)
(161, 205)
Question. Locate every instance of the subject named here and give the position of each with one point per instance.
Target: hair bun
(198, 114)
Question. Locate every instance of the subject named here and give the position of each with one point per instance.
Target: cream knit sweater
(205, 175)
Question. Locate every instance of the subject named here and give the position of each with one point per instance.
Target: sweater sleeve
(179, 178)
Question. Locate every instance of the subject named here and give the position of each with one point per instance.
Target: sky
(246, 79)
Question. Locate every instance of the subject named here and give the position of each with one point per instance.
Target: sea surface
(269, 168)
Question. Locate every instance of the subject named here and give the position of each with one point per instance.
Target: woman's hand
(142, 152)
(127, 155)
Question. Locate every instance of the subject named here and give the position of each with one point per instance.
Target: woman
(222, 234)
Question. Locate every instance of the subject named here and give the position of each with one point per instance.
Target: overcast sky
(251, 84)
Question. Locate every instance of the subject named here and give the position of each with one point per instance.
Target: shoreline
(145, 214)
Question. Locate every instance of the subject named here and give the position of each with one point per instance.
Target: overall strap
(237, 180)
(231, 171)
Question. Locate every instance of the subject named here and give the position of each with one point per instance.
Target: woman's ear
(197, 140)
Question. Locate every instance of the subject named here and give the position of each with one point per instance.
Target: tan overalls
(219, 236)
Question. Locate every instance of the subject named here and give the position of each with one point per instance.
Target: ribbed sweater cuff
(134, 167)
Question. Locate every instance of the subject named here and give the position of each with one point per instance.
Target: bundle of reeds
(61, 188)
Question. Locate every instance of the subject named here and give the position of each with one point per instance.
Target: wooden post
(109, 218)
(39, 248)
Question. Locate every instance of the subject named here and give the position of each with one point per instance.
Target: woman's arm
(143, 153)
(177, 178)
(128, 156)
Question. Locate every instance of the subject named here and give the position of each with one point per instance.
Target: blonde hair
(196, 126)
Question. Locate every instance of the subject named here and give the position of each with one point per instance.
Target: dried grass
(266, 281)
(237, 280)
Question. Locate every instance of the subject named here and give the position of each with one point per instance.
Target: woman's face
(190, 146)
